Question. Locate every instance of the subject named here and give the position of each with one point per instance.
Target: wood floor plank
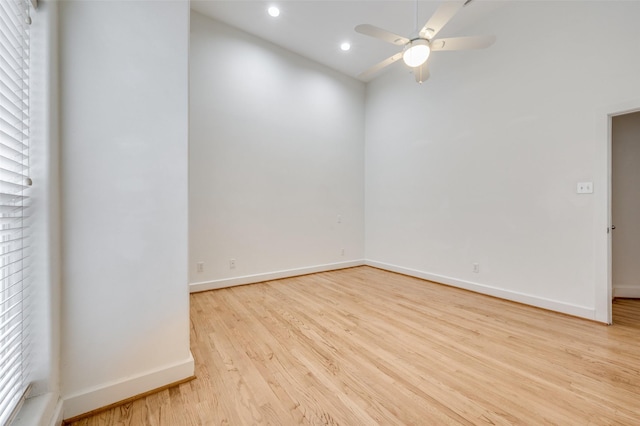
(363, 346)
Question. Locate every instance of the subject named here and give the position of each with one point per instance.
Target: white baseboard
(257, 278)
(626, 291)
(110, 393)
(527, 299)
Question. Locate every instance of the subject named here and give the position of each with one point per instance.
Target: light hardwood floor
(363, 347)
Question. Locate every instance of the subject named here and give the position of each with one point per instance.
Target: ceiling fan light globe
(416, 53)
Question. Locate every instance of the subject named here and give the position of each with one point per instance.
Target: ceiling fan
(416, 50)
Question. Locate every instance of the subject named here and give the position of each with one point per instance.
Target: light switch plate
(585, 188)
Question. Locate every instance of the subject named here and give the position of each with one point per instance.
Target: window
(14, 203)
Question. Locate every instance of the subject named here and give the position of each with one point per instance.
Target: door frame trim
(603, 265)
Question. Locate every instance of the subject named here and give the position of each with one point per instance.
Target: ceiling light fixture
(273, 11)
(416, 52)
(345, 46)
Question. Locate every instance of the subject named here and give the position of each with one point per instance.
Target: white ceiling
(315, 28)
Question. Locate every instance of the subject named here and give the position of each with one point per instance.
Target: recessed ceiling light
(345, 46)
(274, 11)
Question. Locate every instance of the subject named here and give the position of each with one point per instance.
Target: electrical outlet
(585, 188)
(476, 268)
(341, 252)
(200, 267)
(232, 264)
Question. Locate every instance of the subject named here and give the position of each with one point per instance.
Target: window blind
(14, 204)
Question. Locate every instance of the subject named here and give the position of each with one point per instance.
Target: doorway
(625, 205)
(602, 231)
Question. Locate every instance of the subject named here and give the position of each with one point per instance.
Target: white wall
(480, 164)
(124, 158)
(276, 155)
(626, 204)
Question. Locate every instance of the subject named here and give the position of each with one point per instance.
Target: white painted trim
(626, 291)
(110, 393)
(257, 278)
(41, 410)
(602, 219)
(602, 241)
(553, 305)
(56, 418)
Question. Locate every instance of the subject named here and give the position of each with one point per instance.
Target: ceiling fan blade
(366, 75)
(441, 17)
(421, 73)
(462, 43)
(379, 33)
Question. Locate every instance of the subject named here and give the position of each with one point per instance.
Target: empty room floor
(363, 346)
